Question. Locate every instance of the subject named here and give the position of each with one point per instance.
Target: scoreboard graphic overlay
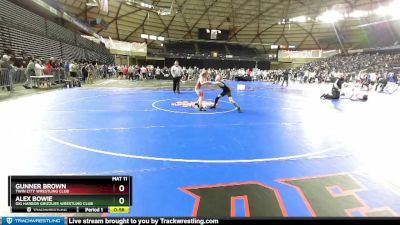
(70, 194)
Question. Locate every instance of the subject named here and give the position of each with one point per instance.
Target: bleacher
(208, 48)
(72, 52)
(180, 47)
(60, 33)
(33, 44)
(21, 29)
(239, 50)
(25, 19)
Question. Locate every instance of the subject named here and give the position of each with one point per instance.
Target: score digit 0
(121, 188)
(121, 200)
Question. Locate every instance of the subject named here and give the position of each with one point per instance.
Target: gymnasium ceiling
(251, 22)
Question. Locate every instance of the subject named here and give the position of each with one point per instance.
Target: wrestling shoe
(212, 107)
(202, 109)
(238, 109)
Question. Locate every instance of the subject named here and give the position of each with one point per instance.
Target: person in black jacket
(85, 72)
(285, 78)
(336, 89)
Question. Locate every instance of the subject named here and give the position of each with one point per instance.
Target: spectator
(143, 72)
(38, 68)
(158, 72)
(6, 64)
(90, 70)
(39, 71)
(85, 72)
(131, 71)
(73, 69)
(29, 71)
(165, 72)
(66, 69)
(50, 66)
(125, 71)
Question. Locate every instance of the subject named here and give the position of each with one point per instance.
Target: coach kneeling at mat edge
(176, 72)
(336, 89)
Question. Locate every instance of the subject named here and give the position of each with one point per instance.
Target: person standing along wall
(6, 64)
(66, 70)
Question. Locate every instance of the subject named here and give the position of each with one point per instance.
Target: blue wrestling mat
(288, 154)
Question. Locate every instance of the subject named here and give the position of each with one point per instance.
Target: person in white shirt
(190, 73)
(143, 72)
(30, 70)
(372, 78)
(176, 72)
(38, 68)
(39, 71)
(158, 72)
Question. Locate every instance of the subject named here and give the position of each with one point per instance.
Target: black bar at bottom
(59, 209)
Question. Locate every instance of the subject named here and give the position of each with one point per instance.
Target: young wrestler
(225, 91)
(359, 97)
(201, 81)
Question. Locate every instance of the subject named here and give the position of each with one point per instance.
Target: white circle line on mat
(214, 161)
(192, 113)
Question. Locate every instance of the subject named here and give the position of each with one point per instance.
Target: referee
(176, 72)
(285, 77)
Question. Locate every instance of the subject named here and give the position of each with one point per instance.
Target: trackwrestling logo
(33, 220)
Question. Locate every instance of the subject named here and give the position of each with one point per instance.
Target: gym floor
(288, 153)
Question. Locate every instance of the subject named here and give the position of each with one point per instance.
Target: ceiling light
(391, 10)
(331, 16)
(358, 14)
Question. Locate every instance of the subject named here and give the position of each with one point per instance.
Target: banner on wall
(126, 48)
(121, 47)
(286, 55)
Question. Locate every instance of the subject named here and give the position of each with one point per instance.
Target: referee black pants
(285, 80)
(176, 85)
